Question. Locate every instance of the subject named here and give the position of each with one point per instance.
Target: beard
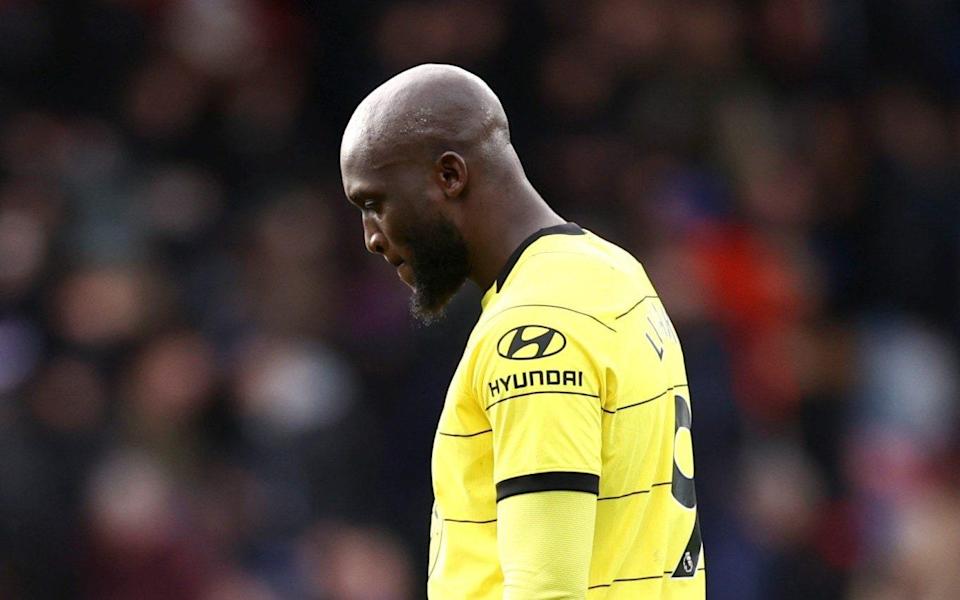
(440, 265)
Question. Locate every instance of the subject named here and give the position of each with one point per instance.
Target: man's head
(416, 157)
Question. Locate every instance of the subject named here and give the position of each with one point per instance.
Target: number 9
(682, 486)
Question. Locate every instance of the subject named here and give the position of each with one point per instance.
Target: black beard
(440, 266)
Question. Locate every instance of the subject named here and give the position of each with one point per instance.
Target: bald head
(427, 159)
(426, 109)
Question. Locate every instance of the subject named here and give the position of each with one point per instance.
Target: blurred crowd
(208, 390)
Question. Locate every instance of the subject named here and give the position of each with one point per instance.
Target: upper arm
(540, 380)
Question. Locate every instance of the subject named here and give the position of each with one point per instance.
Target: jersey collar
(562, 229)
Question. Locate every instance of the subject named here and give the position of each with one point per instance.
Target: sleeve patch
(530, 342)
(524, 381)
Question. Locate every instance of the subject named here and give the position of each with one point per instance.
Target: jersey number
(683, 490)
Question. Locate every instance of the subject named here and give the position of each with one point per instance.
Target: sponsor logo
(529, 342)
(518, 381)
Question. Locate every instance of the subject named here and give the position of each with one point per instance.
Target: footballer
(562, 463)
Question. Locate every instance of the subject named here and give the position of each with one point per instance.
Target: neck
(508, 219)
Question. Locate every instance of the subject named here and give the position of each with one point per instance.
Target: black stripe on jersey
(660, 395)
(629, 579)
(542, 392)
(605, 585)
(629, 310)
(469, 521)
(573, 310)
(549, 482)
(464, 435)
(564, 229)
(646, 491)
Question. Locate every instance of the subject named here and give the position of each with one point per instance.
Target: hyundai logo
(528, 342)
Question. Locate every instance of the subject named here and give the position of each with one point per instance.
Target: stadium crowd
(208, 390)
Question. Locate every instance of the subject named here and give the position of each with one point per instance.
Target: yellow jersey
(572, 379)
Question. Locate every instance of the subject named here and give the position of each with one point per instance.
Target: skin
(427, 159)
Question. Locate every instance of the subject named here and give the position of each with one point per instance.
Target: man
(562, 464)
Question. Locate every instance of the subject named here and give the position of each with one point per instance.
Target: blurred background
(208, 390)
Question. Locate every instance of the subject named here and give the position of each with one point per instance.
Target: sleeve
(539, 381)
(545, 542)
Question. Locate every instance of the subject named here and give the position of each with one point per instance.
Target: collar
(562, 229)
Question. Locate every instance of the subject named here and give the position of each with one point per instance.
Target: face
(403, 222)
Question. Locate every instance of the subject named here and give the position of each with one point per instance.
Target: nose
(373, 238)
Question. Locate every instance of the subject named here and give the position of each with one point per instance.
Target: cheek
(404, 222)
(398, 228)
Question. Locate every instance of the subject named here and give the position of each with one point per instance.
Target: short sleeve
(539, 380)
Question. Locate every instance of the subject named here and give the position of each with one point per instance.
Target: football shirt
(572, 379)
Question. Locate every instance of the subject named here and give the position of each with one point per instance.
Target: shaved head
(427, 159)
(427, 109)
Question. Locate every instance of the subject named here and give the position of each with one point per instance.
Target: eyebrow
(360, 193)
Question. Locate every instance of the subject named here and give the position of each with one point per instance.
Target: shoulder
(551, 344)
(557, 302)
(585, 274)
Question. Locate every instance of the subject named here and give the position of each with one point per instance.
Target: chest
(462, 461)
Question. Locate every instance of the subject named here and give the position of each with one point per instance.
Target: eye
(371, 205)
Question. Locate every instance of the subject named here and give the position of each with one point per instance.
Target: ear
(451, 172)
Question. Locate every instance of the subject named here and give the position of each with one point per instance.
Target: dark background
(209, 390)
